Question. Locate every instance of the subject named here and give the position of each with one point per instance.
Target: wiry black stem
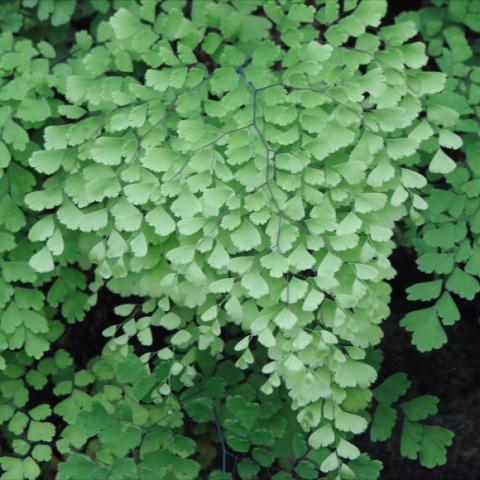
(218, 426)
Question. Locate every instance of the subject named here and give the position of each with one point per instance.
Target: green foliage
(122, 411)
(29, 430)
(126, 407)
(237, 178)
(446, 239)
(421, 441)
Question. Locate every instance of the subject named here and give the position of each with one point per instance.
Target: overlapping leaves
(225, 165)
(446, 242)
(427, 443)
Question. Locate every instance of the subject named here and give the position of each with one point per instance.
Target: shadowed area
(451, 373)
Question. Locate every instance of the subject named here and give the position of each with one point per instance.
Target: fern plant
(446, 241)
(225, 167)
(257, 434)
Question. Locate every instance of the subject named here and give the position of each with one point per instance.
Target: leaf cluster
(446, 239)
(234, 170)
